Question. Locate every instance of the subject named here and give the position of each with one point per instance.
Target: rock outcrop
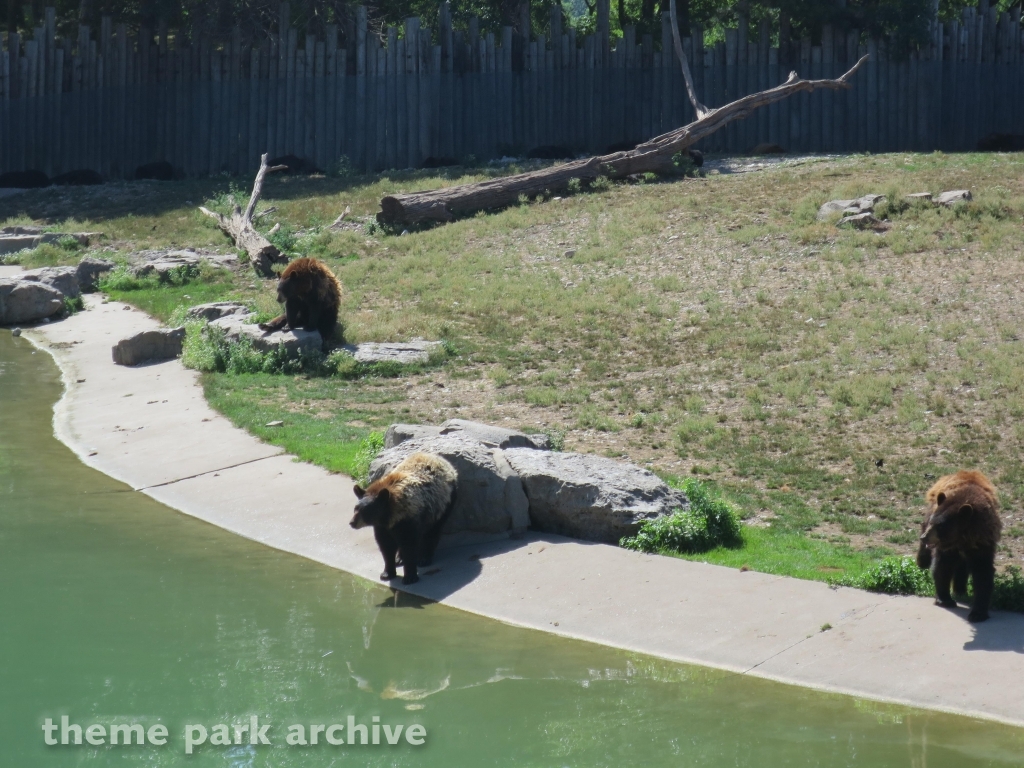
(590, 497)
(509, 480)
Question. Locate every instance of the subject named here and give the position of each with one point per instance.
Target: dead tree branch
(698, 107)
(655, 155)
(239, 227)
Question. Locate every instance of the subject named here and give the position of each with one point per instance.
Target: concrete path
(151, 428)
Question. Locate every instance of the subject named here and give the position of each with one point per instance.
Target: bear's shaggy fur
(407, 508)
(959, 535)
(311, 295)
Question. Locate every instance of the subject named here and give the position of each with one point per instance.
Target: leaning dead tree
(239, 227)
(653, 156)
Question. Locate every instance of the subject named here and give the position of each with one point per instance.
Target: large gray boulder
(89, 271)
(236, 330)
(62, 279)
(218, 309)
(490, 496)
(164, 344)
(954, 197)
(25, 301)
(590, 497)
(494, 437)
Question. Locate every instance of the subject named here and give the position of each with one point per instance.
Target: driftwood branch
(698, 107)
(655, 155)
(239, 227)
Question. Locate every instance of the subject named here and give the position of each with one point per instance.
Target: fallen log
(653, 156)
(239, 227)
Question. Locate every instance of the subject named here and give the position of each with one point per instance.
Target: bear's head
(949, 521)
(371, 508)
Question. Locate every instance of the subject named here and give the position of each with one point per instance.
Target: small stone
(16, 332)
(275, 424)
(861, 221)
(919, 197)
(569, 254)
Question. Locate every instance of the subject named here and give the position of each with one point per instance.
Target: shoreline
(151, 428)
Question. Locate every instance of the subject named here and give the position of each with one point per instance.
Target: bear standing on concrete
(959, 535)
(311, 295)
(407, 508)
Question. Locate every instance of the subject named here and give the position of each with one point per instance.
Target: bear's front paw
(947, 603)
(977, 616)
(410, 579)
(385, 576)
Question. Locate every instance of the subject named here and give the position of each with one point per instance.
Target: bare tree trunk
(262, 253)
(654, 156)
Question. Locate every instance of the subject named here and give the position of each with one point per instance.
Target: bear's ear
(940, 499)
(384, 494)
(359, 492)
(966, 509)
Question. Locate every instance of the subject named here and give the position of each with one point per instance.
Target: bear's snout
(357, 521)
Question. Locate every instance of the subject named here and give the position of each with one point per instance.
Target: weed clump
(369, 448)
(1009, 590)
(892, 576)
(707, 524)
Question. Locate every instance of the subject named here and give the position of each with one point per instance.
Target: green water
(115, 609)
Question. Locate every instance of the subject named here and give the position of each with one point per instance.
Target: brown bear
(311, 295)
(959, 535)
(407, 508)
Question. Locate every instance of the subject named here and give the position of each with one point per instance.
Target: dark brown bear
(311, 294)
(959, 535)
(407, 509)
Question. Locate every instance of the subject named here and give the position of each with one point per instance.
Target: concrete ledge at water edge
(163, 344)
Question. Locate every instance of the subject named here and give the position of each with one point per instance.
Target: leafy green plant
(121, 279)
(369, 448)
(1009, 590)
(708, 523)
(893, 576)
(73, 305)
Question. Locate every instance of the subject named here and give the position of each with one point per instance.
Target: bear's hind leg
(983, 573)
(433, 536)
(943, 567)
(408, 536)
(960, 578)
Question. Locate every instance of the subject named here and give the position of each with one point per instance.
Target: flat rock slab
(490, 497)
(590, 497)
(407, 353)
(151, 428)
(218, 309)
(27, 301)
(147, 346)
(494, 437)
(954, 197)
(14, 242)
(861, 221)
(162, 263)
(236, 331)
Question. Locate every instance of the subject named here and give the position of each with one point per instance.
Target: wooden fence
(395, 101)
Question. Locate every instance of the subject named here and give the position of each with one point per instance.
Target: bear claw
(410, 579)
(945, 603)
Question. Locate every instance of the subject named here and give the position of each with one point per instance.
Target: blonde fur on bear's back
(965, 482)
(421, 484)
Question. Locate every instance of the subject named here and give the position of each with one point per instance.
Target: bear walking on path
(407, 509)
(959, 535)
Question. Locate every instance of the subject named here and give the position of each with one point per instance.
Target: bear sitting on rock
(959, 535)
